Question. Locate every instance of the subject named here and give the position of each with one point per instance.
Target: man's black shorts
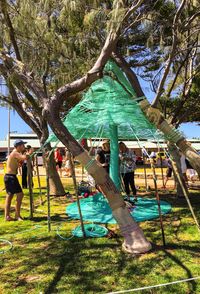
(169, 172)
(12, 184)
(59, 164)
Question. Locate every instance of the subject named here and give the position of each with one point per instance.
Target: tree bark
(55, 185)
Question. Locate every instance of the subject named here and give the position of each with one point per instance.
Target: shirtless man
(11, 181)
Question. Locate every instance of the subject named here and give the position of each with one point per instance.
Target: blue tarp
(96, 209)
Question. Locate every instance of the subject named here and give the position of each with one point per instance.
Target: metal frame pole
(38, 178)
(48, 199)
(158, 201)
(8, 151)
(76, 193)
(30, 183)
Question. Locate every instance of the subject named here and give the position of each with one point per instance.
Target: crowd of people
(127, 161)
(17, 161)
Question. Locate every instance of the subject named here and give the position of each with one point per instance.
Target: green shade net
(110, 100)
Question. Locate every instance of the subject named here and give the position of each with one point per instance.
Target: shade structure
(109, 109)
(110, 100)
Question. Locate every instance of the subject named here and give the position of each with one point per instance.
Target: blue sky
(17, 124)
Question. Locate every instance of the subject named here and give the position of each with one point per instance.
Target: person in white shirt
(127, 170)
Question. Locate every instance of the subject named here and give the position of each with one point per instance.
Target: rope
(155, 286)
(138, 142)
(10, 243)
(89, 163)
(4, 241)
(91, 230)
(174, 135)
(60, 236)
(99, 136)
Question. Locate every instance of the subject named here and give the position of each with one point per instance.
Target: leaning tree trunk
(173, 135)
(156, 117)
(135, 241)
(55, 184)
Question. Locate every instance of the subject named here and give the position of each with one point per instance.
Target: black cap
(19, 142)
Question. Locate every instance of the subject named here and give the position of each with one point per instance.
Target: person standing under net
(127, 170)
(11, 181)
(103, 155)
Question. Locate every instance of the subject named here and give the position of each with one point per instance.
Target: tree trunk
(174, 136)
(55, 185)
(135, 241)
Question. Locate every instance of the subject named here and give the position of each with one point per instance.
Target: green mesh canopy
(110, 100)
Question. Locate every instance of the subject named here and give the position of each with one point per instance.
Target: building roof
(32, 140)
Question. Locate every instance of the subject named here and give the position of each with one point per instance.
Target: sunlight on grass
(42, 262)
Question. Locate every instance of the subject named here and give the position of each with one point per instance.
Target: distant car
(139, 160)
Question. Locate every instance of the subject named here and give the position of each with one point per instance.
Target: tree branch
(11, 29)
(129, 73)
(96, 72)
(171, 55)
(17, 69)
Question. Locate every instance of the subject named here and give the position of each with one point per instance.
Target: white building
(32, 140)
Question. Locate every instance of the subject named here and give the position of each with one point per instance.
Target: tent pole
(38, 178)
(76, 192)
(114, 155)
(158, 201)
(30, 187)
(145, 173)
(48, 198)
(161, 166)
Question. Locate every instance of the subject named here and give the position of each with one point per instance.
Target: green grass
(40, 262)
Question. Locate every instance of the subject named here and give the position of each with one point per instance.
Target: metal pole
(158, 201)
(8, 130)
(161, 165)
(76, 193)
(145, 173)
(38, 178)
(30, 182)
(48, 199)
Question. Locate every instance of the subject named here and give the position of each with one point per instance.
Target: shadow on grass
(73, 263)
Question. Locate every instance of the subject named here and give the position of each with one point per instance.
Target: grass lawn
(40, 262)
